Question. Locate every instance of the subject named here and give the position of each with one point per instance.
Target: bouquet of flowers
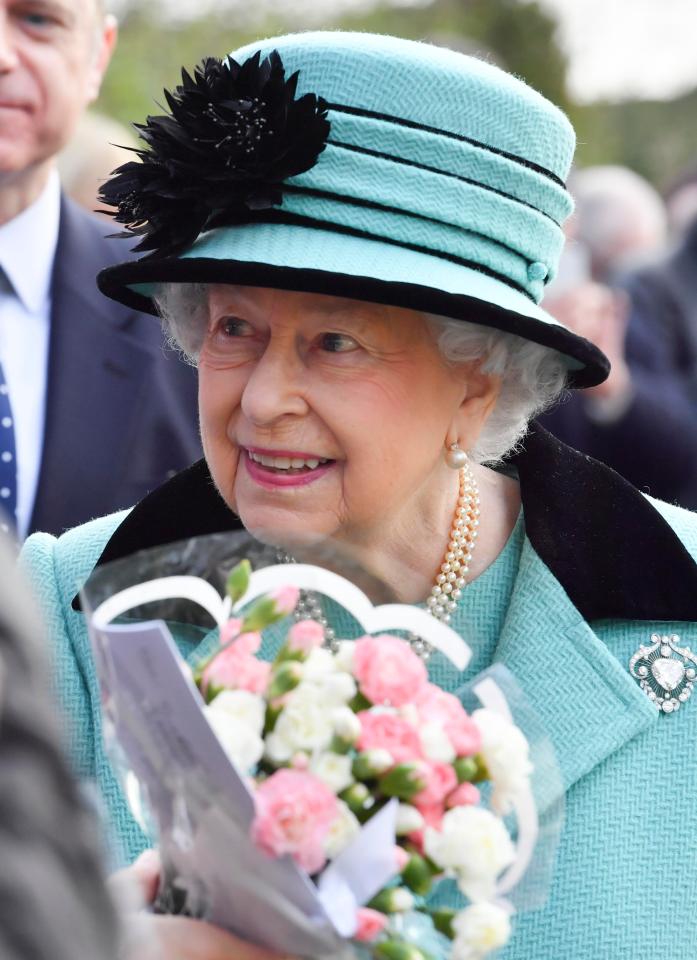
(362, 780)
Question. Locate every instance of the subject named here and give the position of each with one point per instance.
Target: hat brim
(297, 257)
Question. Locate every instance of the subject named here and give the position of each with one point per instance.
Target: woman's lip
(293, 454)
(271, 480)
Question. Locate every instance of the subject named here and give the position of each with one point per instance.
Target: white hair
(619, 216)
(532, 376)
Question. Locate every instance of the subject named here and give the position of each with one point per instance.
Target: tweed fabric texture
(441, 171)
(461, 109)
(628, 772)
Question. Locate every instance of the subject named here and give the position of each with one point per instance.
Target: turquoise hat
(362, 166)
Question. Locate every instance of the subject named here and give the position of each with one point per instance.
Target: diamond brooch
(666, 672)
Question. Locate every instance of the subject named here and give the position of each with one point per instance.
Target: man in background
(641, 421)
(94, 413)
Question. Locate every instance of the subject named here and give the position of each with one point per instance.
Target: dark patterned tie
(8, 460)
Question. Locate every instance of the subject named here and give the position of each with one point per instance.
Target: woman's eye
(337, 343)
(234, 327)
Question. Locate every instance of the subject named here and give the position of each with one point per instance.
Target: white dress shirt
(27, 251)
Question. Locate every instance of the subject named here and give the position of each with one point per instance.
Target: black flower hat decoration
(234, 134)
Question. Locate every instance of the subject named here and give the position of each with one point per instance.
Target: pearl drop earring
(455, 457)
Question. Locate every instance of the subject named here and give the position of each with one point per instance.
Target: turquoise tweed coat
(602, 568)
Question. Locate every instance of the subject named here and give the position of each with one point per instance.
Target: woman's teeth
(286, 463)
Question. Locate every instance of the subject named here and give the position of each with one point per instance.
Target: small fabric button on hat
(537, 271)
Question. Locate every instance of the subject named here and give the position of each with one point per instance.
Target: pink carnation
(235, 669)
(305, 635)
(229, 630)
(464, 796)
(294, 811)
(386, 731)
(388, 670)
(440, 781)
(401, 857)
(435, 705)
(369, 924)
(433, 817)
(285, 598)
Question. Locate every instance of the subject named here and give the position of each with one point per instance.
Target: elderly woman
(350, 235)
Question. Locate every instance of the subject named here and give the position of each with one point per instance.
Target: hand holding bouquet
(330, 740)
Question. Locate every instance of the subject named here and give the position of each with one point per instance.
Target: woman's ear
(479, 399)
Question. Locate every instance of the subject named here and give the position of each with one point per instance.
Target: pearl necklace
(450, 580)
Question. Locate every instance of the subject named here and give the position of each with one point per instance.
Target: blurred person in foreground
(53, 900)
(642, 420)
(93, 412)
(371, 353)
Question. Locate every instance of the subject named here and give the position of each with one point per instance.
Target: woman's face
(320, 416)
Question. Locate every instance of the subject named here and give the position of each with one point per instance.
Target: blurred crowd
(628, 282)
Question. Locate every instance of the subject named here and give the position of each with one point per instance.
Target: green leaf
(285, 677)
(238, 580)
(262, 614)
(443, 920)
(465, 769)
(398, 950)
(417, 875)
(403, 781)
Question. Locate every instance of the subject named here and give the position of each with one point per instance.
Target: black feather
(234, 134)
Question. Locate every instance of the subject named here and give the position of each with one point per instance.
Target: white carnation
(473, 844)
(341, 832)
(243, 746)
(304, 724)
(409, 820)
(338, 688)
(506, 754)
(409, 713)
(480, 929)
(318, 664)
(347, 726)
(436, 744)
(333, 769)
(245, 707)
(343, 658)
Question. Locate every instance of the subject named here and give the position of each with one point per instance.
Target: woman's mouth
(284, 468)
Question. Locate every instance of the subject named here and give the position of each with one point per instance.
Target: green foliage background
(657, 139)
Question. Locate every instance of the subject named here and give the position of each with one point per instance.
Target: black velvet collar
(615, 555)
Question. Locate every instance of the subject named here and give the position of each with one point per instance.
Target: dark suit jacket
(121, 410)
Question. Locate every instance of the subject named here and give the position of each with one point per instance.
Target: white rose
(243, 746)
(479, 929)
(304, 724)
(475, 845)
(343, 658)
(435, 743)
(341, 832)
(506, 754)
(409, 820)
(334, 769)
(245, 707)
(347, 726)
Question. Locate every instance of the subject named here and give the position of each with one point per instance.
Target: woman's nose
(275, 388)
